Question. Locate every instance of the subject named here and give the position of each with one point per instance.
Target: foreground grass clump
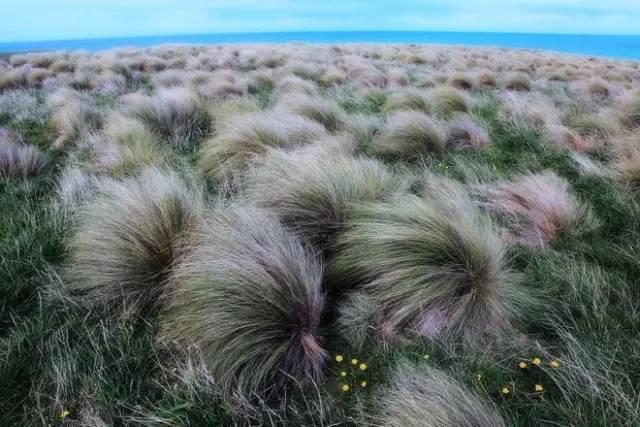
(434, 265)
(250, 295)
(126, 239)
(421, 395)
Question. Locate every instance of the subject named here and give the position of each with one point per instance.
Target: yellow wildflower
(64, 414)
(522, 365)
(506, 390)
(555, 364)
(426, 356)
(339, 358)
(345, 387)
(478, 377)
(363, 366)
(343, 373)
(354, 361)
(363, 384)
(536, 361)
(539, 387)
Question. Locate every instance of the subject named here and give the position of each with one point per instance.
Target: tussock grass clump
(294, 84)
(434, 266)
(328, 114)
(631, 111)
(599, 125)
(128, 148)
(627, 159)
(411, 135)
(598, 87)
(363, 129)
(408, 99)
(125, 241)
(564, 137)
(313, 192)
(447, 101)
(518, 82)
(466, 132)
(12, 79)
(247, 136)
(19, 160)
(250, 296)
(175, 114)
(73, 116)
(425, 396)
(486, 78)
(73, 189)
(538, 208)
(461, 81)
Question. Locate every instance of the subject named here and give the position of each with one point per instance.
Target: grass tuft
(250, 296)
(126, 237)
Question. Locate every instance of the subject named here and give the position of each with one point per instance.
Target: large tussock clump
(537, 208)
(73, 116)
(127, 235)
(174, 114)
(411, 135)
(19, 160)
(244, 138)
(418, 396)
(433, 265)
(313, 191)
(250, 296)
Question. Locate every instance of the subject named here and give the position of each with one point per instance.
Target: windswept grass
(411, 135)
(326, 235)
(249, 294)
(314, 194)
(246, 137)
(434, 265)
(419, 395)
(127, 237)
(177, 115)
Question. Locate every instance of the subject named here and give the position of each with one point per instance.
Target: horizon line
(232, 33)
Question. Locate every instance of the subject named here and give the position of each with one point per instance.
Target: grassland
(320, 236)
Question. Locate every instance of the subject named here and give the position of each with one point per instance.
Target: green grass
(66, 362)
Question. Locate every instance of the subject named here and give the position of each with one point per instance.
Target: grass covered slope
(319, 235)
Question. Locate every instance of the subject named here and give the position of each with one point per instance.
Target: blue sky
(65, 19)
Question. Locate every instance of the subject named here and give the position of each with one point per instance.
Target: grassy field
(319, 235)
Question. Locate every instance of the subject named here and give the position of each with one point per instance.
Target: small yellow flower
(522, 365)
(536, 361)
(339, 358)
(539, 387)
(64, 414)
(363, 366)
(506, 390)
(363, 384)
(555, 364)
(343, 373)
(478, 377)
(426, 356)
(345, 387)
(354, 361)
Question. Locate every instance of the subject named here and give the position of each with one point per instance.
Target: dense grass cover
(319, 235)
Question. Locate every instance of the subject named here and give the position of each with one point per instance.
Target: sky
(27, 20)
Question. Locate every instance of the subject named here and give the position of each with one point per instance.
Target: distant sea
(624, 47)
